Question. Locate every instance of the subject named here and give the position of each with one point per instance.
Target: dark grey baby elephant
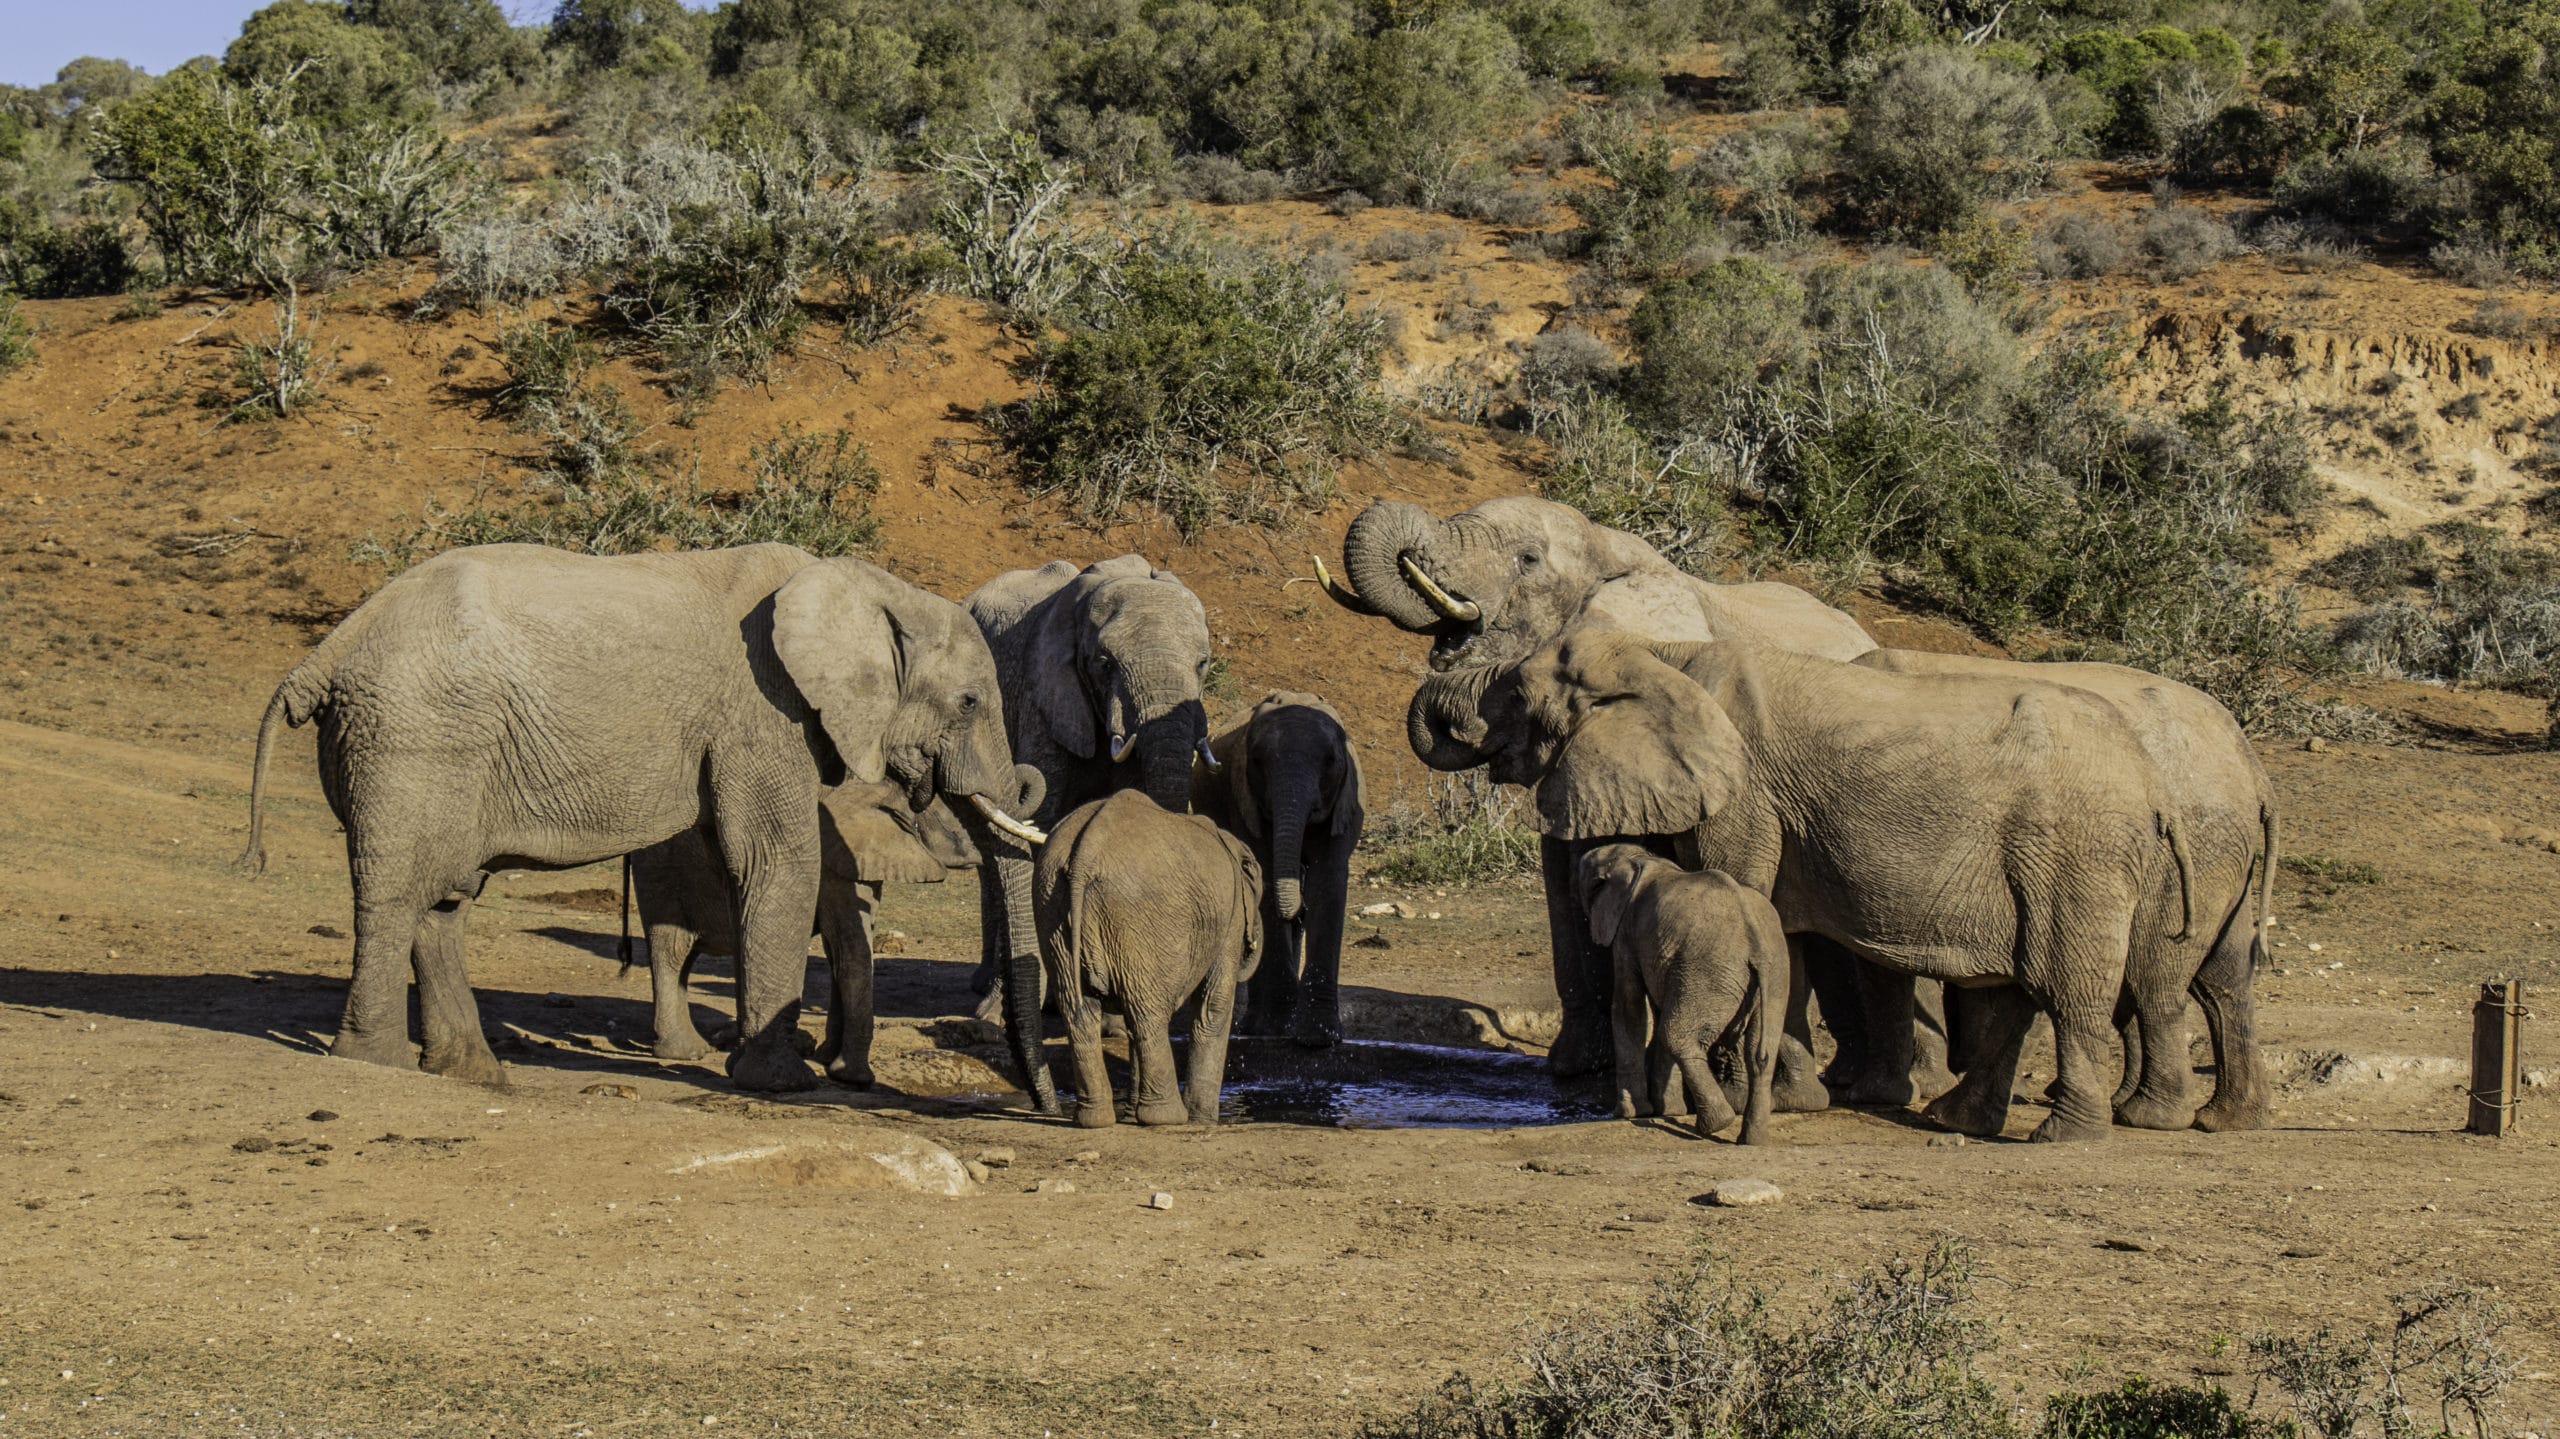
(867, 837)
(1285, 781)
(1139, 910)
(1711, 958)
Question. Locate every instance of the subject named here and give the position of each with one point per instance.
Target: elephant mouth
(1454, 647)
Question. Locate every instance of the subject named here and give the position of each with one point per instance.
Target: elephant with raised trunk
(1981, 831)
(1287, 782)
(1493, 583)
(867, 838)
(1103, 669)
(517, 707)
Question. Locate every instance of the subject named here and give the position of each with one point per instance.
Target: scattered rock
(1744, 1193)
(253, 1145)
(978, 1173)
(2540, 1079)
(1555, 1166)
(1159, 1200)
(2128, 1246)
(1084, 1156)
(889, 942)
(996, 1158)
(2299, 1253)
(1946, 1141)
(322, 1116)
(1391, 909)
(1376, 939)
(325, 931)
(2337, 1068)
(1054, 1186)
(612, 1091)
(2316, 745)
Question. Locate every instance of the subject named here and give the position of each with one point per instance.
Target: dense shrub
(1468, 830)
(1004, 213)
(1607, 468)
(17, 336)
(2183, 241)
(47, 261)
(1703, 342)
(1189, 363)
(1417, 108)
(2083, 247)
(455, 42)
(1937, 135)
(2493, 617)
(1650, 217)
(329, 71)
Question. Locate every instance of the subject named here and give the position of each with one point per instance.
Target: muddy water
(1369, 1084)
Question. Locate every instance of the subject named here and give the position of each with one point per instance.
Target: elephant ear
(1058, 704)
(1608, 905)
(1350, 815)
(1248, 900)
(838, 639)
(944, 837)
(1649, 752)
(1226, 793)
(863, 840)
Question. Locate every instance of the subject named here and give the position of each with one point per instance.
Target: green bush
(2144, 1410)
(330, 71)
(1605, 467)
(46, 261)
(1705, 341)
(1468, 830)
(1418, 107)
(2378, 567)
(1188, 364)
(1937, 136)
(1650, 217)
(2493, 618)
(17, 336)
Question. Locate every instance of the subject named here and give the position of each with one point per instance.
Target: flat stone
(1084, 1156)
(1946, 1141)
(996, 1158)
(1744, 1193)
(883, 1160)
(612, 1091)
(1159, 1200)
(1054, 1186)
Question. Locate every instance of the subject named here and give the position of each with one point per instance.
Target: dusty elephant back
(1124, 884)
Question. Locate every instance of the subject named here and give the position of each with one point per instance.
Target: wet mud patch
(1371, 1084)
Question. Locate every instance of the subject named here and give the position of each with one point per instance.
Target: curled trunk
(1384, 533)
(1444, 724)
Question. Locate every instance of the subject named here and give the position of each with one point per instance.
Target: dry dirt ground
(211, 1227)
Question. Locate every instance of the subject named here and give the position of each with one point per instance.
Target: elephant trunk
(1385, 541)
(1162, 754)
(1445, 723)
(1293, 795)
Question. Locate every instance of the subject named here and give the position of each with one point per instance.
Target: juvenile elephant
(1978, 831)
(1143, 910)
(867, 837)
(517, 707)
(1710, 959)
(1102, 671)
(1493, 583)
(1287, 782)
(2226, 809)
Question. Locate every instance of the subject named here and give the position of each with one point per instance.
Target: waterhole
(1374, 1084)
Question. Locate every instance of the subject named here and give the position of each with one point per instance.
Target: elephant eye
(1528, 559)
(969, 701)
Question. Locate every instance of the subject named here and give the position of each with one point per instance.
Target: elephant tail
(2267, 828)
(295, 702)
(2186, 877)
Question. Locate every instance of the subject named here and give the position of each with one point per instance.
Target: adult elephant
(1493, 583)
(1102, 670)
(1287, 783)
(1980, 831)
(517, 707)
(2226, 809)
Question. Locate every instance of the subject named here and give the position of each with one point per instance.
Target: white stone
(1743, 1193)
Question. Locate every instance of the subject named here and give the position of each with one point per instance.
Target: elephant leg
(1707, 1102)
(991, 931)
(1799, 1091)
(1684, 1024)
(390, 902)
(1833, 975)
(1888, 1007)
(1084, 1044)
(1316, 1023)
(777, 893)
(1997, 1019)
(2154, 1095)
(2129, 1043)
(1207, 1074)
(1760, 1055)
(1932, 1073)
(1627, 1025)
(1154, 1082)
(2084, 1044)
(449, 1016)
(673, 949)
(845, 921)
(1583, 1044)
(2222, 990)
(1271, 996)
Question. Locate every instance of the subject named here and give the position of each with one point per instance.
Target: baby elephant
(1711, 958)
(1139, 910)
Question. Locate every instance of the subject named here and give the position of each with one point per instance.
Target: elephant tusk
(1027, 833)
(1339, 592)
(1120, 746)
(1465, 612)
(1208, 756)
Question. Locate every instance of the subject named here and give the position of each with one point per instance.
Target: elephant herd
(1747, 809)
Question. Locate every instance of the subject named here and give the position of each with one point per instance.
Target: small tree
(1937, 135)
(1004, 214)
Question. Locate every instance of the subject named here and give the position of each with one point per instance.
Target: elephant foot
(2059, 1128)
(1579, 1050)
(1882, 1091)
(684, 1047)
(851, 1076)
(1171, 1111)
(724, 1036)
(1930, 1081)
(1966, 1109)
(391, 1051)
(472, 1064)
(1711, 1115)
(770, 1067)
(1799, 1094)
(1095, 1116)
(2220, 1116)
(2144, 1111)
(1207, 1119)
